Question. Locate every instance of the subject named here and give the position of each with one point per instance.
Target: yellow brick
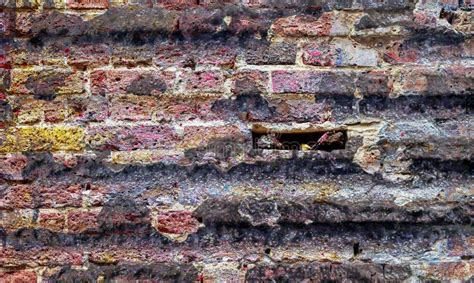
(67, 138)
(43, 139)
(8, 140)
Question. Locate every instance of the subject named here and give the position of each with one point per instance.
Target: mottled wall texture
(236, 140)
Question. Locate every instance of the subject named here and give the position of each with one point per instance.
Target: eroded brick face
(236, 141)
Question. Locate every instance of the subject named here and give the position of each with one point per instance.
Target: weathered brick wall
(148, 139)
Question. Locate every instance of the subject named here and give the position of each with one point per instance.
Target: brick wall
(233, 140)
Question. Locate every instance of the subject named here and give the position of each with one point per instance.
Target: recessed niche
(299, 140)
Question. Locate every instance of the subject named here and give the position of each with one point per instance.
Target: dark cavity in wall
(300, 140)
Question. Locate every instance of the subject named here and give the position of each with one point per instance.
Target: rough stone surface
(236, 141)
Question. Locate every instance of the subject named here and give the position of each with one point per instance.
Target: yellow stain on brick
(13, 220)
(25, 3)
(105, 258)
(320, 191)
(146, 156)
(70, 82)
(68, 138)
(31, 111)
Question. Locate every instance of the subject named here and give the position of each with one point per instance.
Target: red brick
(401, 52)
(19, 196)
(44, 256)
(59, 196)
(34, 196)
(327, 24)
(249, 82)
(87, 4)
(435, 81)
(204, 81)
(133, 108)
(91, 55)
(136, 82)
(82, 221)
(52, 221)
(186, 108)
(56, 111)
(172, 54)
(198, 136)
(299, 109)
(22, 276)
(339, 52)
(130, 137)
(176, 222)
(12, 165)
(177, 4)
(222, 56)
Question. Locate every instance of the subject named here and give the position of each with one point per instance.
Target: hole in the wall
(356, 248)
(299, 140)
(268, 251)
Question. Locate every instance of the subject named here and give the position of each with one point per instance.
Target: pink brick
(327, 24)
(60, 196)
(82, 221)
(88, 4)
(21, 276)
(186, 108)
(19, 196)
(12, 165)
(176, 222)
(331, 82)
(197, 136)
(172, 54)
(52, 221)
(54, 196)
(222, 56)
(339, 52)
(249, 82)
(177, 4)
(400, 52)
(204, 81)
(44, 256)
(436, 81)
(131, 137)
(133, 108)
(136, 82)
(93, 55)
